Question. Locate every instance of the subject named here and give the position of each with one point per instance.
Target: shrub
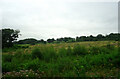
(18, 53)
(80, 67)
(8, 50)
(6, 67)
(97, 60)
(36, 53)
(95, 50)
(62, 52)
(9, 66)
(49, 69)
(98, 50)
(49, 53)
(79, 50)
(7, 58)
(110, 47)
(65, 64)
(26, 56)
(114, 58)
(69, 51)
(34, 64)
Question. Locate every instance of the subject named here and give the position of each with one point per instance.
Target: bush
(97, 60)
(49, 53)
(18, 53)
(115, 58)
(110, 47)
(98, 50)
(9, 66)
(69, 51)
(49, 69)
(8, 50)
(34, 64)
(6, 67)
(62, 52)
(65, 64)
(36, 53)
(95, 50)
(26, 56)
(79, 50)
(7, 58)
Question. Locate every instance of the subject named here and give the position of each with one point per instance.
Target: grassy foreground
(81, 59)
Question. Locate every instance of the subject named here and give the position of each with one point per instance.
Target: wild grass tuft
(36, 53)
(79, 50)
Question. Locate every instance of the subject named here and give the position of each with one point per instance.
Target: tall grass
(79, 50)
(36, 53)
(65, 61)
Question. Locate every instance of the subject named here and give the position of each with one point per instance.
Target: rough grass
(82, 59)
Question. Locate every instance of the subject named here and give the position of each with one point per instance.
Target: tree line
(99, 37)
(9, 37)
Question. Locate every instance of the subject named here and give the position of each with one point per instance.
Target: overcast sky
(43, 19)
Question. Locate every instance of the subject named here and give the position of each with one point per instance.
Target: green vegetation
(85, 56)
(8, 37)
(79, 59)
(36, 53)
(99, 37)
(79, 50)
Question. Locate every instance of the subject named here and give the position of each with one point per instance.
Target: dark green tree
(9, 36)
(41, 41)
(50, 40)
(100, 37)
(28, 41)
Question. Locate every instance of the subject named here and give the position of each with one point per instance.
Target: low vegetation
(85, 56)
(80, 59)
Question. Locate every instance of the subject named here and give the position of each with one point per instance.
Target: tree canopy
(9, 36)
(99, 37)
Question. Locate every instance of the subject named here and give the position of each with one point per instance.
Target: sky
(43, 19)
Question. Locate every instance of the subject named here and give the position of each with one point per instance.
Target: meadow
(78, 59)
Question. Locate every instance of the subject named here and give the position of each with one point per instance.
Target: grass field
(79, 59)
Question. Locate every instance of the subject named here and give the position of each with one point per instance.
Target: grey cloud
(52, 19)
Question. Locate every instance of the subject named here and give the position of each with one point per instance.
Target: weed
(79, 50)
(36, 53)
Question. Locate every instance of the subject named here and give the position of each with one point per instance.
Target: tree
(41, 41)
(9, 36)
(28, 41)
(50, 40)
(100, 37)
